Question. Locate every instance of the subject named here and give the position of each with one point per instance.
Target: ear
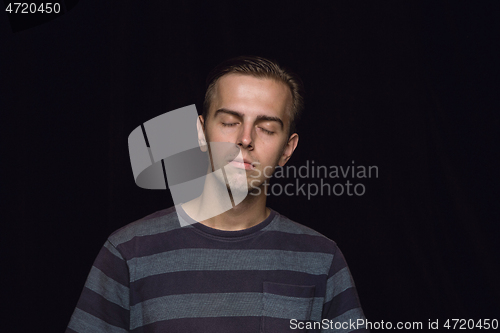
(288, 149)
(202, 142)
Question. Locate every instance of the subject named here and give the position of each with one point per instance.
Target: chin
(238, 186)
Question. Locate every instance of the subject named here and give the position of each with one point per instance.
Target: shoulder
(301, 233)
(284, 224)
(159, 222)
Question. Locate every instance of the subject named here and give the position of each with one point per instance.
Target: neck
(246, 214)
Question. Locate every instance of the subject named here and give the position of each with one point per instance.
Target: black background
(410, 87)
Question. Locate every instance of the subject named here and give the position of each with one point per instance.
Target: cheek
(225, 134)
(272, 156)
(215, 135)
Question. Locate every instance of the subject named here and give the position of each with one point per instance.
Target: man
(242, 269)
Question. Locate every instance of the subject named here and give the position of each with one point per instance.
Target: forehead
(251, 95)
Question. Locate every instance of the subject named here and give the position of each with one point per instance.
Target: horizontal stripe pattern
(348, 317)
(161, 221)
(82, 321)
(153, 275)
(345, 301)
(216, 260)
(186, 282)
(278, 306)
(222, 305)
(196, 306)
(243, 324)
(338, 262)
(108, 288)
(338, 283)
(96, 305)
(185, 238)
(112, 265)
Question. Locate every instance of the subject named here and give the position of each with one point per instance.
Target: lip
(242, 164)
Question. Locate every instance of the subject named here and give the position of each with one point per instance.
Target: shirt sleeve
(104, 305)
(341, 307)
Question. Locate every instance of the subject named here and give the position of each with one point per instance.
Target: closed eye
(266, 131)
(234, 124)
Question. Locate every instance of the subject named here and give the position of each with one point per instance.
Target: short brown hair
(261, 68)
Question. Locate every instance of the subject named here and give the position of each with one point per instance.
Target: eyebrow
(259, 117)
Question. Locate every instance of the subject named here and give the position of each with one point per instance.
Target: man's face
(252, 113)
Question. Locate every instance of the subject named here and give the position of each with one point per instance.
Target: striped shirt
(155, 275)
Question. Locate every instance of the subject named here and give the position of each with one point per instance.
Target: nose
(245, 137)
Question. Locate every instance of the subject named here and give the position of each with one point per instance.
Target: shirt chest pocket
(284, 306)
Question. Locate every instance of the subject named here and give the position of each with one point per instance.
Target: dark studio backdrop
(409, 87)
